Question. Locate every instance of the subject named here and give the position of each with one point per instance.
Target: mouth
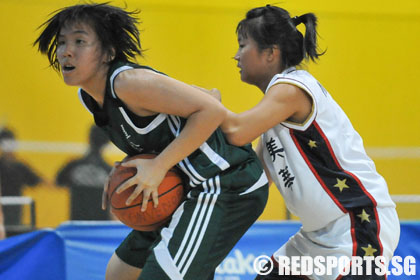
(68, 68)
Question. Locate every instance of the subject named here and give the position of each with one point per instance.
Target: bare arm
(259, 152)
(282, 102)
(214, 92)
(147, 93)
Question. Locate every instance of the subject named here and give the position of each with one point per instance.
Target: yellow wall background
(370, 67)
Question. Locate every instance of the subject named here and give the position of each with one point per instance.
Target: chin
(244, 79)
(69, 82)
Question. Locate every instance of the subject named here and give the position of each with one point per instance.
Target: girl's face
(251, 60)
(80, 54)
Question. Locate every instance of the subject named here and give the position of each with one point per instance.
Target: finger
(155, 197)
(131, 163)
(146, 196)
(127, 184)
(114, 168)
(137, 191)
(106, 185)
(116, 165)
(105, 194)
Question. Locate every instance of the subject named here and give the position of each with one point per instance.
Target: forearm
(239, 129)
(259, 152)
(197, 130)
(281, 103)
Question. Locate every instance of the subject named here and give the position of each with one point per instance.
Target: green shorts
(202, 232)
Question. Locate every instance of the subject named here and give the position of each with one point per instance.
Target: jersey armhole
(114, 75)
(80, 94)
(294, 125)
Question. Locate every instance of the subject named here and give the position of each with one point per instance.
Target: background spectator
(14, 175)
(85, 178)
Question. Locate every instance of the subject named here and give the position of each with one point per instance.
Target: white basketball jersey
(321, 167)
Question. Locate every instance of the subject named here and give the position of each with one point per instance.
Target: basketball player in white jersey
(309, 147)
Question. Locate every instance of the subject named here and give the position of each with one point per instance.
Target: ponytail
(310, 39)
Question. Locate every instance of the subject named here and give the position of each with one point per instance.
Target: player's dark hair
(270, 25)
(115, 27)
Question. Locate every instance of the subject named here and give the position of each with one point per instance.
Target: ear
(273, 53)
(111, 55)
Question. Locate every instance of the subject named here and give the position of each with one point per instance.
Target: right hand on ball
(148, 178)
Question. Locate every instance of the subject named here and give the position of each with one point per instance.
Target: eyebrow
(75, 32)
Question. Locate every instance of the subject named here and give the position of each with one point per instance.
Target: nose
(65, 50)
(236, 57)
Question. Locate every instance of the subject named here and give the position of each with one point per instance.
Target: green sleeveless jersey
(135, 135)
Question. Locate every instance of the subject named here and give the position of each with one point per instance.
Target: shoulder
(135, 75)
(293, 97)
(296, 82)
(141, 81)
(139, 88)
(134, 81)
(124, 74)
(297, 78)
(284, 91)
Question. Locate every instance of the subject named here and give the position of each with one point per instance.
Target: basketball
(171, 193)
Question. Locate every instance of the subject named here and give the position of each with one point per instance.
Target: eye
(80, 41)
(60, 42)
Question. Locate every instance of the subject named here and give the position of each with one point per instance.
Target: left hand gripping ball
(171, 194)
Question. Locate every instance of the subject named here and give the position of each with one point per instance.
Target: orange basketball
(171, 193)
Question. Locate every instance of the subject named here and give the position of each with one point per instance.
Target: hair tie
(297, 20)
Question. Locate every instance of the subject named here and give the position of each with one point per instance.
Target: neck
(272, 69)
(96, 87)
(263, 84)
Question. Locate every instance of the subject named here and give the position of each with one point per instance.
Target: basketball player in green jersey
(145, 111)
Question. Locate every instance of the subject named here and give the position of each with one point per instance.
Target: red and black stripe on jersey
(343, 187)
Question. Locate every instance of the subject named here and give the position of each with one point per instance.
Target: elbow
(217, 115)
(221, 114)
(234, 138)
(232, 130)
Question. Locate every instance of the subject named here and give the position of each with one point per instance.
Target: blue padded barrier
(35, 255)
(80, 250)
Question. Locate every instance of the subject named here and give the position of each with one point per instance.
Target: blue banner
(35, 255)
(81, 250)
